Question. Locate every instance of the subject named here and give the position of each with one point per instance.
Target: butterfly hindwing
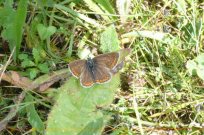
(102, 74)
(86, 78)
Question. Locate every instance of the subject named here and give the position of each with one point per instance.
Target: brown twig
(41, 84)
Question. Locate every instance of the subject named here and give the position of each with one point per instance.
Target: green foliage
(106, 5)
(101, 8)
(13, 22)
(32, 114)
(109, 40)
(34, 65)
(45, 32)
(78, 15)
(156, 91)
(196, 66)
(75, 111)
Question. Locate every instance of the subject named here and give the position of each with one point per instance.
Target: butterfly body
(96, 70)
(91, 66)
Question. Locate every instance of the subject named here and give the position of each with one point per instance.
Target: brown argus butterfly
(96, 70)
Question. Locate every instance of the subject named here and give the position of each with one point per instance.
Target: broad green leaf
(33, 72)
(19, 23)
(109, 40)
(13, 28)
(27, 63)
(43, 67)
(33, 117)
(45, 32)
(6, 15)
(93, 127)
(76, 107)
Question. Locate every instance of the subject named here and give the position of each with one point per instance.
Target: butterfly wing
(109, 60)
(86, 78)
(102, 74)
(76, 67)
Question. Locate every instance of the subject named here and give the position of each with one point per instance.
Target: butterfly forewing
(102, 74)
(76, 67)
(109, 60)
(86, 78)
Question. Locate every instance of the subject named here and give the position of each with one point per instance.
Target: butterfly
(96, 70)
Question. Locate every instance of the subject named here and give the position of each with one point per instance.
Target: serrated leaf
(109, 40)
(33, 117)
(33, 72)
(36, 55)
(43, 67)
(23, 56)
(27, 63)
(45, 32)
(75, 107)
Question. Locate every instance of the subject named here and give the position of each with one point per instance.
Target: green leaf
(33, 117)
(33, 72)
(106, 5)
(6, 15)
(76, 107)
(27, 63)
(46, 3)
(36, 55)
(45, 32)
(109, 40)
(43, 67)
(94, 127)
(80, 16)
(13, 28)
(23, 56)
